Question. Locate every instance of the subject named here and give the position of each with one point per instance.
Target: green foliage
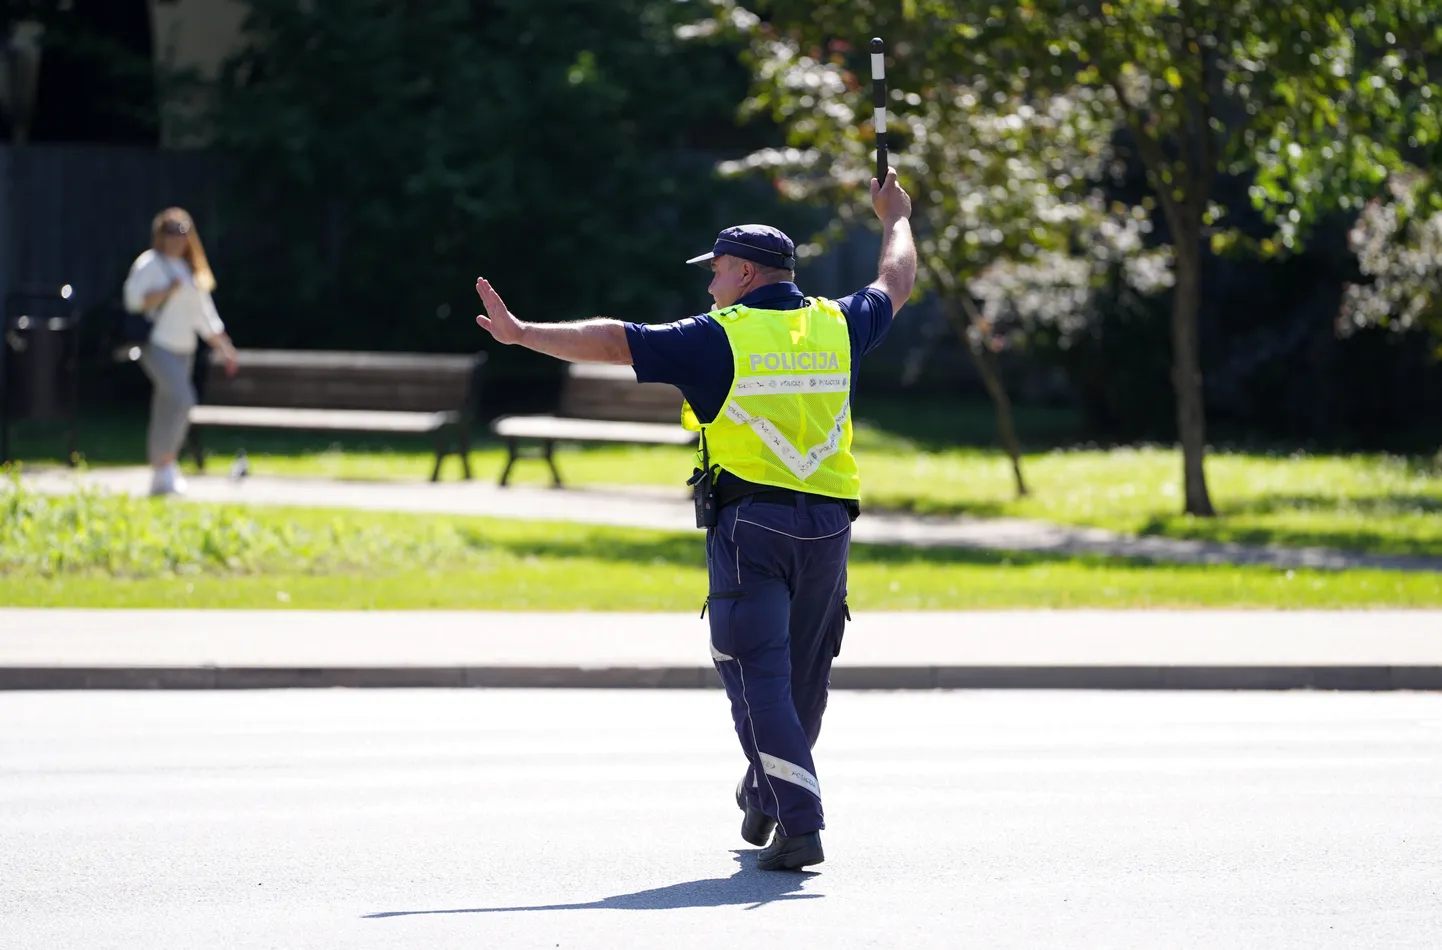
(391, 152)
(128, 537)
(96, 79)
(1320, 102)
(1317, 101)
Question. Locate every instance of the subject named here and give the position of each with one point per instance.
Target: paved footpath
(667, 509)
(1088, 649)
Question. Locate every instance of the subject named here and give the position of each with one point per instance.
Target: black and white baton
(878, 99)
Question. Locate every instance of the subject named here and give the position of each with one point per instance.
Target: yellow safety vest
(787, 420)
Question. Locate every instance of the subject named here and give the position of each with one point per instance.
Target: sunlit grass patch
(96, 550)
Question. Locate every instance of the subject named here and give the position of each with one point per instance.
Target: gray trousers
(170, 403)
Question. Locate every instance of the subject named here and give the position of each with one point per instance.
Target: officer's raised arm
(586, 341)
(897, 269)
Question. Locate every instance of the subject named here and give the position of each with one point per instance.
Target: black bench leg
(465, 435)
(551, 461)
(443, 448)
(511, 448)
(197, 452)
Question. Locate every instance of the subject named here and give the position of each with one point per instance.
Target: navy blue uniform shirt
(694, 356)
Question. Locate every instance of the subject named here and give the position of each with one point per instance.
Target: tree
(390, 152)
(1398, 244)
(1317, 100)
(1010, 182)
(88, 65)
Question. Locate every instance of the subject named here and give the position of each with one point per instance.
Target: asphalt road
(475, 818)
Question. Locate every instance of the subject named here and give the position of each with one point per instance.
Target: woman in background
(171, 285)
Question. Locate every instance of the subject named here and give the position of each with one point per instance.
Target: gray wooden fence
(79, 214)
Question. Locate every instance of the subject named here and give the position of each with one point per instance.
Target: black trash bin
(40, 364)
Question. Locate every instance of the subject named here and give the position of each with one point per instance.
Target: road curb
(1365, 678)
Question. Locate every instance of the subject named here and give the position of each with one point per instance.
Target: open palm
(498, 319)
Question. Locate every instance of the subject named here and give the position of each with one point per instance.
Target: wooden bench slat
(422, 364)
(620, 374)
(619, 400)
(591, 430)
(339, 419)
(284, 394)
(328, 391)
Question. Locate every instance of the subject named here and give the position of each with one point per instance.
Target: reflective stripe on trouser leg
(777, 767)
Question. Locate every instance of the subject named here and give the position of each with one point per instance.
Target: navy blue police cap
(759, 243)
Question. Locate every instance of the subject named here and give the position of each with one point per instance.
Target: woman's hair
(194, 250)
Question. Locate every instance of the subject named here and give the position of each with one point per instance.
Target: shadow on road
(747, 886)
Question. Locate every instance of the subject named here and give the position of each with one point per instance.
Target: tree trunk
(985, 362)
(1187, 371)
(986, 367)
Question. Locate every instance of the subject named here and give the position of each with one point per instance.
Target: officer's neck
(775, 288)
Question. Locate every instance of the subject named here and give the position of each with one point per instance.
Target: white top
(188, 315)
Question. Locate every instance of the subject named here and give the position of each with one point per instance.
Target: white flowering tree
(1398, 243)
(1004, 191)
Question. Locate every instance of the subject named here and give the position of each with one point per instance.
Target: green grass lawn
(92, 550)
(1370, 503)
(1361, 502)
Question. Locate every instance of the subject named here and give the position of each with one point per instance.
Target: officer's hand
(499, 320)
(890, 200)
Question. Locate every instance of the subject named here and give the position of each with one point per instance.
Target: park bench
(599, 403)
(314, 390)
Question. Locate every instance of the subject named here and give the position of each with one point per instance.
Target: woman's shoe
(177, 481)
(168, 481)
(163, 481)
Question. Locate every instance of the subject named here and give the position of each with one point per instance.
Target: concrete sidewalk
(670, 510)
(178, 649)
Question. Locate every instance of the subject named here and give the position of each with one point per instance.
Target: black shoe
(757, 826)
(791, 854)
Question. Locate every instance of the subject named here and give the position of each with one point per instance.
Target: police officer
(767, 378)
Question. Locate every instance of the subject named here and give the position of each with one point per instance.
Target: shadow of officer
(747, 886)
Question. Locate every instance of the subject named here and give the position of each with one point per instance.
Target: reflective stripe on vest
(787, 420)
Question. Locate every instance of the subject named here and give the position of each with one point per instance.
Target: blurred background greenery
(1206, 224)
(355, 163)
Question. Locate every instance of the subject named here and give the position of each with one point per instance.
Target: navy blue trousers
(778, 611)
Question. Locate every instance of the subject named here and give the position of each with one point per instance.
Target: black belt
(732, 492)
(785, 496)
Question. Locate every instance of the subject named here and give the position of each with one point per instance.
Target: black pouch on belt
(703, 490)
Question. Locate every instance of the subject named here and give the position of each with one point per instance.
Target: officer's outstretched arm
(896, 272)
(587, 341)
